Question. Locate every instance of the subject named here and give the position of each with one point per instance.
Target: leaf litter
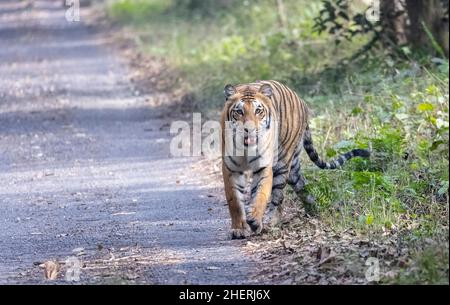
(304, 250)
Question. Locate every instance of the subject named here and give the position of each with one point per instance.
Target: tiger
(268, 124)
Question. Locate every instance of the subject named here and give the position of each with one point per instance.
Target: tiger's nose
(250, 131)
(249, 127)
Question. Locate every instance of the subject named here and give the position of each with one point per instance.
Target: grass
(396, 108)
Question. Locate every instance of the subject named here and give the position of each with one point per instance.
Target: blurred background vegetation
(381, 85)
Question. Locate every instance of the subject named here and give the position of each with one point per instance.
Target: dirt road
(85, 169)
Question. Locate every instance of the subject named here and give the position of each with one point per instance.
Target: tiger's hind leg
(298, 183)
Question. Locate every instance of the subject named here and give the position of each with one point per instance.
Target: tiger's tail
(336, 163)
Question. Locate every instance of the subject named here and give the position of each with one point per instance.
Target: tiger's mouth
(250, 140)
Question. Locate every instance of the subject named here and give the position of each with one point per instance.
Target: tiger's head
(249, 111)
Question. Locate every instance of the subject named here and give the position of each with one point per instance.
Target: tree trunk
(433, 18)
(394, 22)
(431, 14)
(415, 34)
(282, 19)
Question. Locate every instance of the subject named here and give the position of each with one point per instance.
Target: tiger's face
(249, 112)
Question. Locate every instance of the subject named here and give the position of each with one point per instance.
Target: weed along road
(87, 180)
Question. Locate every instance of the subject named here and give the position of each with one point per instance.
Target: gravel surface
(85, 169)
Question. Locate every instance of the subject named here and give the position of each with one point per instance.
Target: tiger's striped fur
(271, 117)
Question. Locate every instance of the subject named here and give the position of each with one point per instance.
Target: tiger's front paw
(239, 230)
(239, 233)
(255, 224)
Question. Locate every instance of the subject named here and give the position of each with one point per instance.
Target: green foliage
(137, 11)
(403, 188)
(407, 174)
(340, 19)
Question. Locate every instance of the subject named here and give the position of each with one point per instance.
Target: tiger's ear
(266, 89)
(229, 90)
